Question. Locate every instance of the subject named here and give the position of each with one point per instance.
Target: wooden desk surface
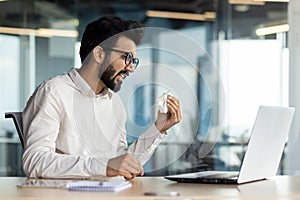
(280, 187)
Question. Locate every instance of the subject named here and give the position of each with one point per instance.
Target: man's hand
(173, 116)
(124, 165)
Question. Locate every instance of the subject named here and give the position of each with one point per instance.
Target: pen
(162, 193)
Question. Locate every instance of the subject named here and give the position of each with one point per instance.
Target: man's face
(117, 70)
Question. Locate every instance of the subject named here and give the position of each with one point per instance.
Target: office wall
(53, 58)
(293, 155)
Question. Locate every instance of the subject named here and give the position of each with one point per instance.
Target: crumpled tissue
(162, 102)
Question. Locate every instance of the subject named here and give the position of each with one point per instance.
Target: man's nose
(130, 67)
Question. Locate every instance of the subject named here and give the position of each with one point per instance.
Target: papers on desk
(111, 186)
(43, 183)
(102, 186)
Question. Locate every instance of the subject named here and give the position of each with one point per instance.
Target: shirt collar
(84, 87)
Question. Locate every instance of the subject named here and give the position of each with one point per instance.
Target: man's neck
(90, 76)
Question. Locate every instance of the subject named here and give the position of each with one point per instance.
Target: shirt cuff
(157, 137)
(153, 129)
(99, 166)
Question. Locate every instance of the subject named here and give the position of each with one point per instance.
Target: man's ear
(98, 54)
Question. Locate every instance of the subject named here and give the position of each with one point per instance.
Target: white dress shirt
(70, 132)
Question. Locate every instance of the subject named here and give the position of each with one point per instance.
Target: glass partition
(221, 58)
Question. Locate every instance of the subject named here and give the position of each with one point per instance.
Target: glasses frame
(128, 59)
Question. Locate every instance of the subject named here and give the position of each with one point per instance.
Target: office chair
(17, 118)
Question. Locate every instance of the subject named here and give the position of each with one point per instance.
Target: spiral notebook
(109, 186)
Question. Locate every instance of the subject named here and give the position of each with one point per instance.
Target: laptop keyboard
(223, 178)
(220, 175)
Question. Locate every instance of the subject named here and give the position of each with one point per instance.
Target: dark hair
(105, 28)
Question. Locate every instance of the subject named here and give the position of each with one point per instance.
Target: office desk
(281, 187)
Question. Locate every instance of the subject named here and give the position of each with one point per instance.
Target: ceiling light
(272, 30)
(65, 23)
(247, 2)
(273, 0)
(207, 16)
(42, 32)
(241, 8)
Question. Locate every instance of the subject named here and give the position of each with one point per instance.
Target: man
(74, 124)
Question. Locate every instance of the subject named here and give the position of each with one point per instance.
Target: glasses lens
(128, 59)
(136, 62)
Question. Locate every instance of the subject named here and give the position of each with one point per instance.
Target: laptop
(261, 160)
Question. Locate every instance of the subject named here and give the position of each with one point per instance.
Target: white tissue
(162, 102)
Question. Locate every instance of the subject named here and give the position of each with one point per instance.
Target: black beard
(109, 80)
(106, 77)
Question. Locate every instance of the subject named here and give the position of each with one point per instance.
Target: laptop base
(207, 177)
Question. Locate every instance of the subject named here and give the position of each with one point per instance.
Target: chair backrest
(17, 118)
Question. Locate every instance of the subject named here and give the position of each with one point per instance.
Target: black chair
(17, 118)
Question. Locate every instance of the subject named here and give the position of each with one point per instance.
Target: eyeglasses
(128, 57)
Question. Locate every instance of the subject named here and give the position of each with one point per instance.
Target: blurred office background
(222, 58)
